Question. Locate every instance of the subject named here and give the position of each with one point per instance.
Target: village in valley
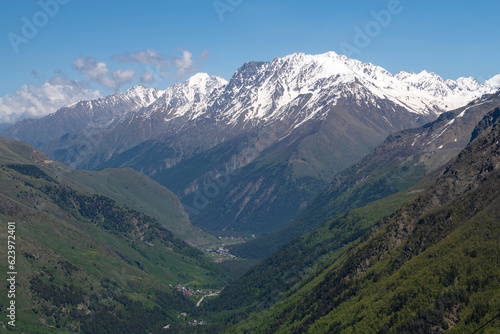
(191, 292)
(217, 252)
(221, 251)
(187, 291)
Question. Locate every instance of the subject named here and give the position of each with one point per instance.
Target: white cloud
(34, 101)
(184, 64)
(147, 78)
(98, 72)
(121, 77)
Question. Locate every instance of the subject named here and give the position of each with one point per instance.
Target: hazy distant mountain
(94, 114)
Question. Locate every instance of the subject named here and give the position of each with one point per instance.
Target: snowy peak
(202, 84)
(469, 83)
(187, 97)
(432, 83)
(133, 99)
(493, 83)
(142, 95)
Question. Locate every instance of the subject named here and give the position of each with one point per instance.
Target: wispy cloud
(147, 57)
(205, 55)
(98, 72)
(147, 78)
(163, 66)
(121, 77)
(33, 101)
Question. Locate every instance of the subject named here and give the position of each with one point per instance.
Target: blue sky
(108, 46)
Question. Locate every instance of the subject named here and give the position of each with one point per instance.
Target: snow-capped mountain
(277, 84)
(294, 89)
(263, 92)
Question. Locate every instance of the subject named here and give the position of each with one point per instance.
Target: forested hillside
(431, 266)
(86, 263)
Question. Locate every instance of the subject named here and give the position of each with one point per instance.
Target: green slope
(433, 266)
(84, 262)
(139, 192)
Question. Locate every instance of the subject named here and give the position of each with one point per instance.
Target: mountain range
(248, 155)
